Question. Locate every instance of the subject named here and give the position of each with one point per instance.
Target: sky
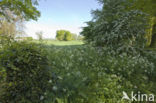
(61, 14)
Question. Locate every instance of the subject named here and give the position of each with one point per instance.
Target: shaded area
(65, 47)
(153, 42)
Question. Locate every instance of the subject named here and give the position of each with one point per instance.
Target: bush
(79, 77)
(5, 40)
(25, 73)
(92, 75)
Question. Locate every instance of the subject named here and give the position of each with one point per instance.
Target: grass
(61, 43)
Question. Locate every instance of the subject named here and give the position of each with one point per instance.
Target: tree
(25, 8)
(64, 35)
(148, 6)
(8, 29)
(116, 26)
(39, 35)
(13, 13)
(13, 28)
(67, 36)
(60, 34)
(153, 40)
(88, 32)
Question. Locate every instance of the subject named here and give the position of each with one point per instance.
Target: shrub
(5, 40)
(79, 78)
(90, 75)
(25, 73)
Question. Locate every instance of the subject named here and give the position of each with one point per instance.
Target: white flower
(54, 88)
(45, 93)
(50, 81)
(68, 74)
(42, 97)
(59, 77)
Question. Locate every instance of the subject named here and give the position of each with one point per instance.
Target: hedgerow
(25, 73)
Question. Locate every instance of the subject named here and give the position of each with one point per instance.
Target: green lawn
(60, 43)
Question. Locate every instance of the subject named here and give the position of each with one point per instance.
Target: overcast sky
(61, 14)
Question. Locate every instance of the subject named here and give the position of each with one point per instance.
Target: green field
(60, 43)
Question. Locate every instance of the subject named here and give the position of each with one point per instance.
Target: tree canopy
(115, 25)
(13, 13)
(12, 28)
(25, 8)
(65, 35)
(147, 6)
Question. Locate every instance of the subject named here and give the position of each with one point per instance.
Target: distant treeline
(64, 35)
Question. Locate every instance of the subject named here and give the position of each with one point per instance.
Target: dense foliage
(13, 13)
(145, 6)
(116, 62)
(65, 35)
(89, 75)
(115, 25)
(24, 73)
(7, 28)
(152, 33)
(24, 8)
(12, 27)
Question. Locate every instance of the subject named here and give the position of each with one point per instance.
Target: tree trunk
(153, 39)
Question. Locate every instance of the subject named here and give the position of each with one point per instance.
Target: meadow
(60, 43)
